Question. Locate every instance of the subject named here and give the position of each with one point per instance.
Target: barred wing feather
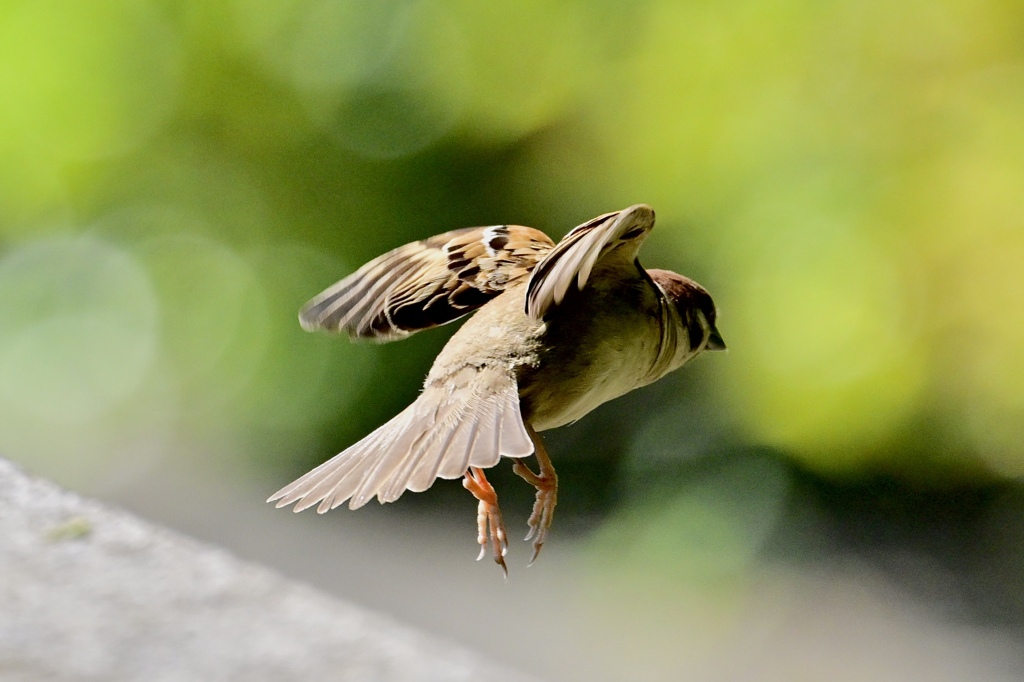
(612, 239)
(427, 283)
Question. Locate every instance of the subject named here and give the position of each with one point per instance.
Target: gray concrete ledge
(89, 592)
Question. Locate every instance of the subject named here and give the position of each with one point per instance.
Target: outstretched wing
(427, 283)
(472, 419)
(611, 240)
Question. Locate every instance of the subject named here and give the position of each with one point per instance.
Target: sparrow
(559, 329)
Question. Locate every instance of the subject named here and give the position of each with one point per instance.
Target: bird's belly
(568, 387)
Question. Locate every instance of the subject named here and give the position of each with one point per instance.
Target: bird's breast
(596, 346)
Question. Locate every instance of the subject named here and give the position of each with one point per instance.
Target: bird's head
(695, 307)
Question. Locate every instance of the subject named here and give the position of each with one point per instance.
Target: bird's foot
(546, 483)
(490, 526)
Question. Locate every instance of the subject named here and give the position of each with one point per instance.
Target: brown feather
(574, 258)
(427, 283)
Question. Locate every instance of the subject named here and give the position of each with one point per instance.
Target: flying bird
(559, 329)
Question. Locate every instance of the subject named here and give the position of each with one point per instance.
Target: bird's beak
(715, 341)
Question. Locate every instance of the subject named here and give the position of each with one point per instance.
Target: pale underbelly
(562, 395)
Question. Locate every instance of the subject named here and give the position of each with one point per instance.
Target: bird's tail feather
(442, 434)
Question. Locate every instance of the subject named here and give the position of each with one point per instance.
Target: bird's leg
(490, 526)
(546, 483)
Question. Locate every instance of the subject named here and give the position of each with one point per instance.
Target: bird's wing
(427, 283)
(611, 240)
(472, 419)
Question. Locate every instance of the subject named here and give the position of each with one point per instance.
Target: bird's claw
(540, 520)
(489, 523)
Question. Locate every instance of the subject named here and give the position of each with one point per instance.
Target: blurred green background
(846, 178)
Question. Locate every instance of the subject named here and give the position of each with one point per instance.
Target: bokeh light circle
(80, 328)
